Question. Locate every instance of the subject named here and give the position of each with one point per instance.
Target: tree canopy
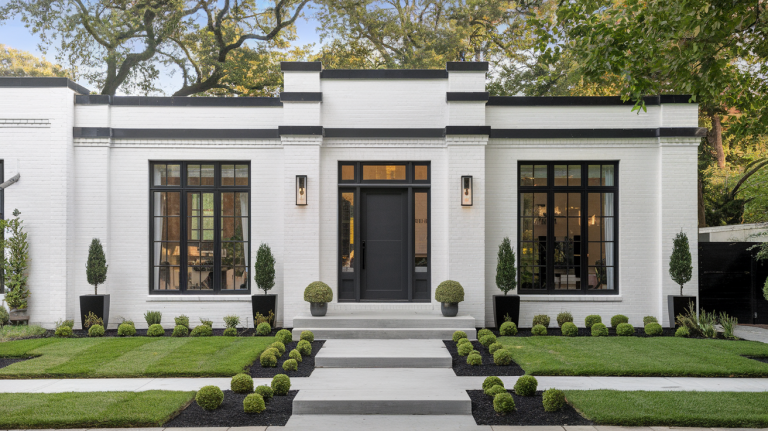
(14, 62)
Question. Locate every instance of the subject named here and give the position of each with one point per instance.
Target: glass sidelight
(347, 232)
(421, 231)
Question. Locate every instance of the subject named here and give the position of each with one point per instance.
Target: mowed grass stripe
(222, 356)
(51, 355)
(137, 361)
(101, 351)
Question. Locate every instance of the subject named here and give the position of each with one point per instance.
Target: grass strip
(17, 332)
(678, 409)
(91, 409)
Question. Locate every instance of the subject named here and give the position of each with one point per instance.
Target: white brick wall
(572, 117)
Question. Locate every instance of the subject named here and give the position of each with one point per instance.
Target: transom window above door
(380, 172)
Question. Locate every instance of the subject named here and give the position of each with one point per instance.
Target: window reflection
(347, 232)
(384, 172)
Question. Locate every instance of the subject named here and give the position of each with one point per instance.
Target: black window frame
(183, 189)
(550, 189)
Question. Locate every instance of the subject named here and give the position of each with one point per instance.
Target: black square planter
(264, 304)
(98, 304)
(677, 304)
(503, 305)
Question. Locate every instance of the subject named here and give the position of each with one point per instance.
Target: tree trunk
(702, 212)
(715, 138)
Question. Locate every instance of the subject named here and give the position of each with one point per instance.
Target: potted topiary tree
(681, 270)
(506, 280)
(449, 293)
(264, 276)
(14, 262)
(96, 272)
(318, 294)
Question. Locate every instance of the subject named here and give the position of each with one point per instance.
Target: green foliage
(230, 332)
(281, 384)
(569, 329)
(539, 330)
(209, 397)
(463, 341)
(459, 335)
(129, 322)
(96, 266)
(14, 259)
(682, 332)
(96, 331)
(318, 292)
(263, 329)
(506, 275)
(70, 323)
(564, 317)
(502, 357)
(680, 268)
(181, 320)
(265, 391)
(649, 319)
(490, 382)
(625, 330)
(618, 319)
(4, 315)
(541, 319)
(201, 331)
(295, 354)
(206, 322)
(153, 317)
(450, 292)
(241, 383)
(290, 365)
(259, 318)
(728, 323)
(483, 332)
(307, 335)
(180, 331)
(495, 390)
(765, 289)
(553, 400)
(92, 319)
(526, 386)
(508, 329)
(474, 359)
(126, 330)
(19, 63)
(264, 268)
(304, 347)
(284, 336)
(487, 340)
(503, 403)
(494, 347)
(464, 349)
(268, 359)
(63, 331)
(254, 403)
(599, 330)
(653, 329)
(155, 330)
(591, 320)
(280, 347)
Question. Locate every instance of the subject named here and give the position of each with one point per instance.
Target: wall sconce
(466, 191)
(301, 189)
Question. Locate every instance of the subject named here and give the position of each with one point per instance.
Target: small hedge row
(210, 397)
(503, 403)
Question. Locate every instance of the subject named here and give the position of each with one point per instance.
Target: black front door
(384, 245)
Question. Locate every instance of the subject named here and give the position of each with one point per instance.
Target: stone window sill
(570, 298)
(198, 298)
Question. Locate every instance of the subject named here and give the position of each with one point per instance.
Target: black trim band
(467, 66)
(195, 101)
(692, 132)
(468, 130)
(384, 74)
(581, 101)
(301, 66)
(675, 98)
(91, 132)
(384, 133)
(466, 96)
(98, 132)
(43, 82)
(300, 130)
(93, 99)
(291, 96)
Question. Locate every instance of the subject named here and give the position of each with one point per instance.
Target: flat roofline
(42, 82)
(582, 100)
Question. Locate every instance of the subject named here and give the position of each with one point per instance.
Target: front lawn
(132, 357)
(90, 409)
(677, 409)
(636, 356)
(18, 332)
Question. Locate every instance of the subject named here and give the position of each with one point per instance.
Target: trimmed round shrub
(463, 341)
(563, 318)
(267, 360)
(450, 292)
(180, 331)
(682, 332)
(488, 340)
(490, 382)
(209, 397)
(290, 365)
(182, 320)
(503, 403)
(483, 332)
(653, 329)
(254, 403)
(265, 391)
(618, 320)
(272, 351)
(201, 331)
(465, 349)
(508, 329)
(63, 331)
(553, 400)
(599, 330)
(502, 357)
(241, 383)
(493, 348)
(317, 291)
(263, 329)
(295, 355)
(625, 330)
(281, 384)
(526, 386)
(304, 347)
(156, 331)
(591, 320)
(459, 335)
(96, 331)
(308, 336)
(474, 359)
(495, 390)
(569, 329)
(539, 330)
(230, 332)
(279, 346)
(649, 319)
(126, 330)
(475, 352)
(284, 336)
(541, 319)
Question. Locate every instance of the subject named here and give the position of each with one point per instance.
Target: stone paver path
(752, 333)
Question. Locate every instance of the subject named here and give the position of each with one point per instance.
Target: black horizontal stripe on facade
(468, 130)
(581, 100)
(98, 132)
(466, 96)
(384, 133)
(467, 66)
(295, 96)
(384, 74)
(301, 66)
(40, 82)
(176, 101)
(300, 130)
(597, 133)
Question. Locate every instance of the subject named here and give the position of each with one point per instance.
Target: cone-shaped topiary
(284, 336)
(281, 384)
(680, 268)
(625, 330)
(506, 275)
(503, 403)
(491, 381)
(599, 330)
(307, 335)
(495, 390)
(487, 340)
(254, 403)
(474, 359)
(279, 346)
(96, 331)
(618, 319)
(155, 330)
(465, 349)
(180, 331)
(653, 329)
(96, 266)
(209, 397)
(265, 391)
(319, 292)
(493, 348)
(569, 329)
(502, 357)
(201, 331)
(126, 330)
(264, 268)
(591, 320)
(526, 386)
(563, 318)
(290, 365)
(681, 332)
(295, 355)
(449, 292)
(539, 330)
(459, 335)
(241, 383)
(304, 347)
(553, 400)
(263, 329)
(508, 329)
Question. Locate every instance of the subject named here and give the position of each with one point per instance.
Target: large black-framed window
(199, 227)
(568, 227)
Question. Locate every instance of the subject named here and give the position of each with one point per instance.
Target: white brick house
(382, 151)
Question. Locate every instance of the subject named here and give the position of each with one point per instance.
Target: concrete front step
(382, 333)
(387, 423)
(383, 325)
(383, 354)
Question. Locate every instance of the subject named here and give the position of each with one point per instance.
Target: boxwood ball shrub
(241, 383)
(649, 319)
(182, 320)
(126, 330)
(526, 386)
(230, 332)
(553, 400)
(569, 329)
(491, 381)
(682, 332)
(304, 347)
(295, 355)
(483, 332)
(618, 319)
(180, 331)
(268, 360)
(254, 403)
(449, 292)
(201, 331)
(493, 348)
(625, 330)
(308, 336)
(284, 336)
(474, 359)
(599, 330)
(502, 357)
(591, 320)
(465, 349)
(96, 331)
(503, 403)
(209, 397)
(279, 346)
(563, 318)
(653, 329)
(206, 322)
(459, 335)
(290, 365)
(265, 391)
(487, 340)
(317, 291)
(508, 329)
(539, 330)
(63, 332)
(495, 390)
(272, 351)
(281, 384)
(541, 319)
(263, 329)
(464, 341)
(156, 331)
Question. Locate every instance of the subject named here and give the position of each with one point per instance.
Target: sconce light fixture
(466, 191)
(301, 189)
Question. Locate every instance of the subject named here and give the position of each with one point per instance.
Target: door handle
(362, 257)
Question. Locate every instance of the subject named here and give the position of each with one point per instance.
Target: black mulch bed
(530, 411)
(4, 362)
(759, 358)
(79, 333)
(306, 366)
(231, 414)
(488, 368)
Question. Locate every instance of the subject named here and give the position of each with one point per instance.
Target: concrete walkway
(751, 333)
(410, 423)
